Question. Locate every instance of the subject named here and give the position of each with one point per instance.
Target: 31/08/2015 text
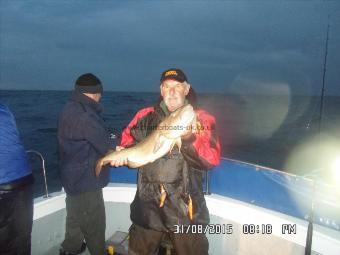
(204, 229)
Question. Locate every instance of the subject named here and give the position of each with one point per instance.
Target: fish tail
(99, 166)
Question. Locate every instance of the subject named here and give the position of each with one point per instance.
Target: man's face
(173, 93)
(97, 97)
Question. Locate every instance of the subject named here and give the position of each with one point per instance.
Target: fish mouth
(188, 114)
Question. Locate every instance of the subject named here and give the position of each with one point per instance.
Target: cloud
(128, 43)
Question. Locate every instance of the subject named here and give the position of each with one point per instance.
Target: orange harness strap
(163, 196)
(190, 208)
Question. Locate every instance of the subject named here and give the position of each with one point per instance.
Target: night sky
(263, 47)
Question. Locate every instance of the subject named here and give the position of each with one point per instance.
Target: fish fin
(158, 144)
(178, 142)
(172, 146)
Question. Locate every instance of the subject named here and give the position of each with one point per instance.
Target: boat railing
(207, 190)
(37, 153)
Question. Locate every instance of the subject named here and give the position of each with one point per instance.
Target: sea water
(267, 130)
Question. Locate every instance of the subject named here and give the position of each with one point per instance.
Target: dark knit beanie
(88, 83)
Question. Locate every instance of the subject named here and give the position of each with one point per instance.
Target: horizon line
(157, 92)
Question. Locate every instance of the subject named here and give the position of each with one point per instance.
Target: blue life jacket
(13, 159)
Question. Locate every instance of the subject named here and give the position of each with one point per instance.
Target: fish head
(178, 122)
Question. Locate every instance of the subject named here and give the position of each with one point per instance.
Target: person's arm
(202, 149)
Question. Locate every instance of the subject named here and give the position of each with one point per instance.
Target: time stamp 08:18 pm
(227, 229)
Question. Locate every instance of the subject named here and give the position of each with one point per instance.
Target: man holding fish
(169, 192)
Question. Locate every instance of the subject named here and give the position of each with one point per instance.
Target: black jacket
(180, 173)
(83, 139)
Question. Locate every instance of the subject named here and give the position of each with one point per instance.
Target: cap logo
(168, 73)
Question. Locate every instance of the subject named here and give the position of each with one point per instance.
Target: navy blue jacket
(13, 159)
(83, 139)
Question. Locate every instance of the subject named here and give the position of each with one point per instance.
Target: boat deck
(255, 230)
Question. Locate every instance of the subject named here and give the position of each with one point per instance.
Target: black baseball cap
(174, 74)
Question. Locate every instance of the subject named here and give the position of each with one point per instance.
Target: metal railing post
(43, 168)
(207, 191)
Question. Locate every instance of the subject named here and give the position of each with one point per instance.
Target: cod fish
(167, 134)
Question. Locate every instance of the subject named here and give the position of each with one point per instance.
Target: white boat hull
(50, 214)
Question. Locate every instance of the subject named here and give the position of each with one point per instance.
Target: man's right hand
(121, 161)
(119, 148)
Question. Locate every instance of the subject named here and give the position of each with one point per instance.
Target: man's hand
(119, 148)
(121, 161)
